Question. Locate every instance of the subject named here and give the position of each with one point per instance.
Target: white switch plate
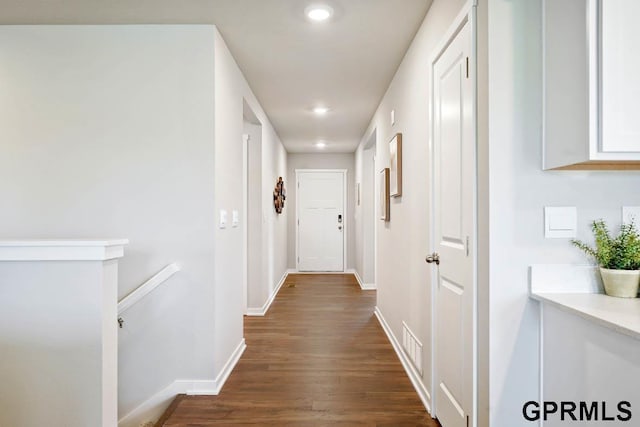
(560, 222)
(629, 213)
(223, 218)
(235, 218)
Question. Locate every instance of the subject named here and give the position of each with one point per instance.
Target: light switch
(631, 213)
(235, 218)
(560, 222)
(223, 219)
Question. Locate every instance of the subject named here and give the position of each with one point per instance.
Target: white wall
(275, 226)
(108, 131)
(59, 361)
(321, 161)
(121, 131)
(519, 190)
(231, 91)
(403, 278)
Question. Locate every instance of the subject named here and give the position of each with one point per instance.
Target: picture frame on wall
(384, 202)
(395, 169)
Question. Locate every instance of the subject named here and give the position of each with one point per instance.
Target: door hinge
(298, 223)
(467, 67)
(298, 184)
(298, 260)
(467, 246)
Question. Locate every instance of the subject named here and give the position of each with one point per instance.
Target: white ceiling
(290, 63)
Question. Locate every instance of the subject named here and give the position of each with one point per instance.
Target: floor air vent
(412, 347)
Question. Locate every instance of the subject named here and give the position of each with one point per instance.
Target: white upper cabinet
(619, 75)
(591, 84)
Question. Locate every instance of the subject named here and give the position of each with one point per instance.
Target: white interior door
(454, 183)
(321, 220)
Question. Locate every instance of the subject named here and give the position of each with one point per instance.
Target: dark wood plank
(170, 409)
(318, 358)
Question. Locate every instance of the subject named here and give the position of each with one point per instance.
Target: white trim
(294, 271)
(374, 189)
(413, 375)
(222, 377)
(61, 250)
(263, 310)
(363, 286)
(543, 105)
(356, 275)
(245, 222)
(153, 408)
(147, 287)
(594, 77)
(345, 208)
(473, 22)
(460, 20)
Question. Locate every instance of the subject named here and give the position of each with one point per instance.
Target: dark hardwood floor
(318, 358)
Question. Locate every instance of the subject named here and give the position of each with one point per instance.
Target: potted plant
(618, 258)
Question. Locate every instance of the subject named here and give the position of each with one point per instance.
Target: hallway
(319, 357)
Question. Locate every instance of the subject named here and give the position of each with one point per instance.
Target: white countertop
(62, 249)
(619, 314)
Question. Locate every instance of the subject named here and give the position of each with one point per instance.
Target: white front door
(453, 224)
(321, 220)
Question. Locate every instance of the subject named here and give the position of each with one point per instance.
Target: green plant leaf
(617, 253)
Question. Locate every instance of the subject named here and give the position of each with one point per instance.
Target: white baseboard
(226, 370)
(363, 286)
(414, 376)
(294, 271)
(153, 408)
(263, 310)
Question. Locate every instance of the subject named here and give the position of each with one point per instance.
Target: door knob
(433, 258)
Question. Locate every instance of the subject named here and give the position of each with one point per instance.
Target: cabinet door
(619, 66)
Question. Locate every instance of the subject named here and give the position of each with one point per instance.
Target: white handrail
(147, 287)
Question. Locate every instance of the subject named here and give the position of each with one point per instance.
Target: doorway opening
(368, 208)
(252, 201)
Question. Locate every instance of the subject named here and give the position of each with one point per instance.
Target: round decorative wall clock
(279, 195)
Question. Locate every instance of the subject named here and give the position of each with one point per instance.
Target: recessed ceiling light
(321, 144)
(319, 13)
(321, 111)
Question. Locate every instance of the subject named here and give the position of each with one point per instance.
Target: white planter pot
(620, 283)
